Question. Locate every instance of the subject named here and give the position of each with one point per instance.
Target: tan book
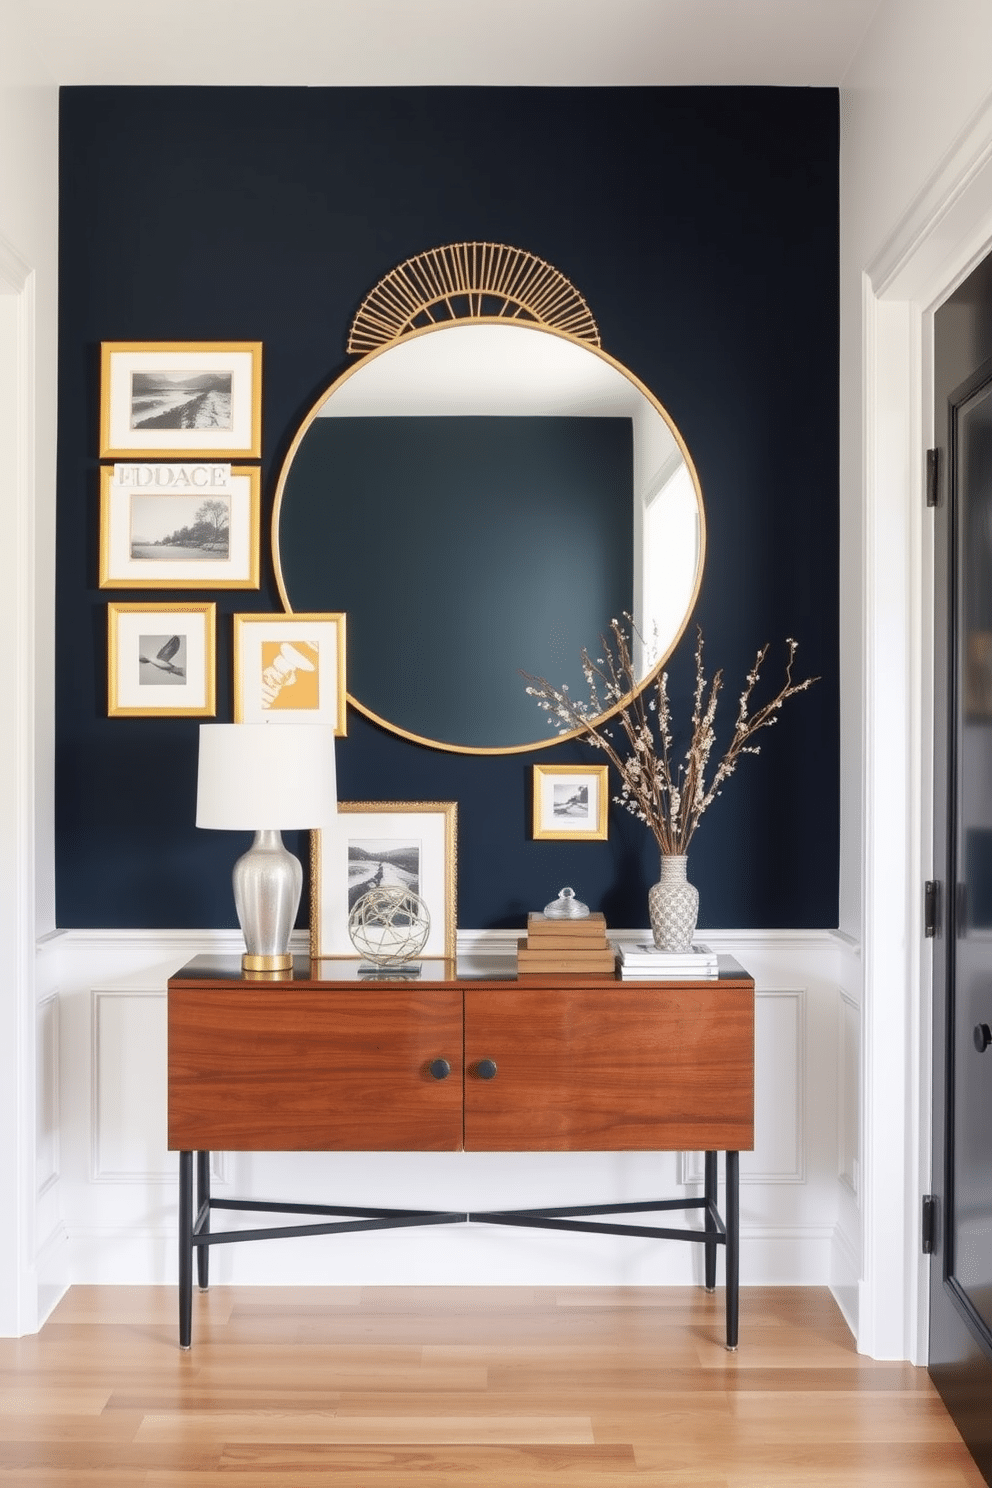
(572, 978)
(593, 959)
(568, 942)
(589, 925)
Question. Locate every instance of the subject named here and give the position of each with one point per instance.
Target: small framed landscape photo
(571, 801)
(159, 399)
(160, 660)
(409, 844)
(290, 669)
(188, 526)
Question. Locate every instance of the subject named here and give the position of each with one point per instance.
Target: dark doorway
(961, 1270)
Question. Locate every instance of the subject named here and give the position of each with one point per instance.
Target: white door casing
(945, 232)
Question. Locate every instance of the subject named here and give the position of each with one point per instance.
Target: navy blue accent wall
(701, 225)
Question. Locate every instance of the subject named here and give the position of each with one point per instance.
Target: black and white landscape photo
(388, 862)
(181, 400)
(162, 660)
(180, 528)
(570, 802)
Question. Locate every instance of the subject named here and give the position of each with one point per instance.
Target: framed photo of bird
(161, 660)
(571, 801)
(290, 669)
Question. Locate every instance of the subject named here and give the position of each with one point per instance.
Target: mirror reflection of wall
(519, 552)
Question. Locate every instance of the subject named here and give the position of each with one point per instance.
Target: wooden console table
(324, 1059)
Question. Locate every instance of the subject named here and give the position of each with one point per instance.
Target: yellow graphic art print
(290, 675)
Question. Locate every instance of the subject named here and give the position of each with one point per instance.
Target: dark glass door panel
(971, 1065)
(960, 1355)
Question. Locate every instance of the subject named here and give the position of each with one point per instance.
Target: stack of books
(697, 964)
(566, 946)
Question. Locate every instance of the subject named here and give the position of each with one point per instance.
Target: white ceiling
(595, 43)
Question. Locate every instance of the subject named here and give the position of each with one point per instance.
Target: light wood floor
(374, 1387)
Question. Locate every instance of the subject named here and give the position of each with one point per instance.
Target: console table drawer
(263, 1068)
(628, 1069)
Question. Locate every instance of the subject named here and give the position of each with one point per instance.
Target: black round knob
(440, 1069)
(486, 1069)
(982, 1036)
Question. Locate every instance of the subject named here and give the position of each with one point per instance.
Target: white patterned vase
(673, 905)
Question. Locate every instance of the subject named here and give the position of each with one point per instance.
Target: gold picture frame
(416, 842)
(571, 802)
(291, 669)
(163, 399)
(161, 660)
(142, 506)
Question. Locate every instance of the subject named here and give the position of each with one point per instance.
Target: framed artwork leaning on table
(408, 844)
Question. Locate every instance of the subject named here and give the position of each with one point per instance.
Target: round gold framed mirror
(482, 495)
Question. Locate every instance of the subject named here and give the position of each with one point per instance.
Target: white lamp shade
(261, 776)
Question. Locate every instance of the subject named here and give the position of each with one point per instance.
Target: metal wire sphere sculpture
(389, 925)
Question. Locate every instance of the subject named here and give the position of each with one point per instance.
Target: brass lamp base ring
(282, 962)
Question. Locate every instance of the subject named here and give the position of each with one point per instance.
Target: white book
(669, 974)
(647, 955)
(646, 963)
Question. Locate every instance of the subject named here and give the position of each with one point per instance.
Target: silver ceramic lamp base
(268, 881)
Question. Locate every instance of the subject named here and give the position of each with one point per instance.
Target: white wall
(914, 136)
(105, 1184)
(89, 1178)
(28, 263)
(919, 81)
(118, 1182)
(98, 1170)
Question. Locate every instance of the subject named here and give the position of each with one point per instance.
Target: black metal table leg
(185, 1249)
(709, 1192)
(194, 1226)
(203, 1199)
(733, 1246)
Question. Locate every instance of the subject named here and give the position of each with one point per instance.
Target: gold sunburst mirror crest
(469, 281)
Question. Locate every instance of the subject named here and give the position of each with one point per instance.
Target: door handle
(982, 1037)
(485, 1069)
(440, 1069)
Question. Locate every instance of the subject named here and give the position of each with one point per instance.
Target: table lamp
(266, 778)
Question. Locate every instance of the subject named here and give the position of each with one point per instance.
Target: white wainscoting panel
(779, 1154)
(848, 1247)
(118, 1187)
(849, 1093)
(129, 1034)
(51, 1257)
(47, 1133)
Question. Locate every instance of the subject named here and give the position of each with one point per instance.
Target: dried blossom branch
(636, 736)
